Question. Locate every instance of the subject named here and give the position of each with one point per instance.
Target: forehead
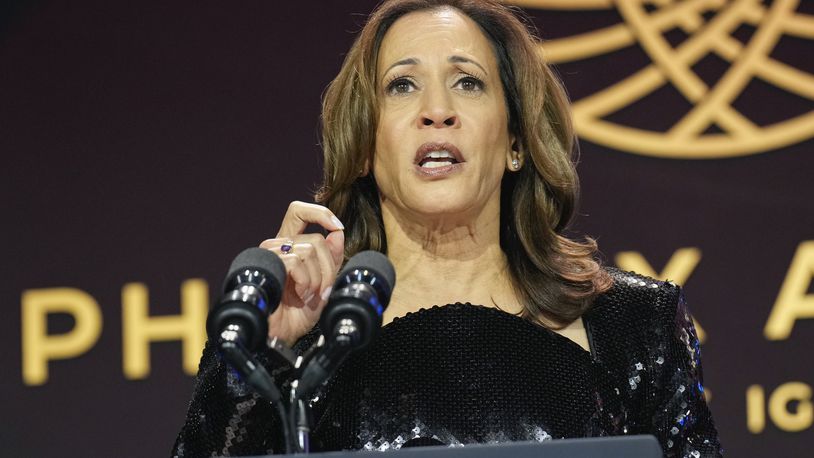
(440, 32)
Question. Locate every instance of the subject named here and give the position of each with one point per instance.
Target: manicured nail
(309, 297)
(337, 223)
(326, 292)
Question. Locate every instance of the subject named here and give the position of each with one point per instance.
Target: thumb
(336, 245)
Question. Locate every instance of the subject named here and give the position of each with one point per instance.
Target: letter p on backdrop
(38, 346)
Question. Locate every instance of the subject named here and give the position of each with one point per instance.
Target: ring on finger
(286, 247)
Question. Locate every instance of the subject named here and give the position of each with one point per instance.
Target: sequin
(461, 374)
(540, 435)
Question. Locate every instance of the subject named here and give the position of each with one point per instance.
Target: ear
(514, 157)
(365, 169)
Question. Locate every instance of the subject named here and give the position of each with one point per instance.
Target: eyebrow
(408, 61)
(454, 59)
(464, 60)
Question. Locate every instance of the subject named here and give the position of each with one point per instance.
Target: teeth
(440, 158)
(439, 155)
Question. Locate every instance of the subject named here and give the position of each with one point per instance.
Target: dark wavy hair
(556, 277)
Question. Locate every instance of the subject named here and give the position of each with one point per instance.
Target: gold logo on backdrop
(712, 106)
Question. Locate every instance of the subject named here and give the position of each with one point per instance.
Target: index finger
(300, 214)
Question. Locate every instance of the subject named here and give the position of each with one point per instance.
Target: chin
(442, 206)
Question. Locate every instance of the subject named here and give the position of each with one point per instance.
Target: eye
(400, 85)
(469, 84)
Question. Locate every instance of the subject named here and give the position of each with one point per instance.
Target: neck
(447, 259)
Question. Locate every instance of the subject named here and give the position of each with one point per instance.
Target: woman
(448, 147)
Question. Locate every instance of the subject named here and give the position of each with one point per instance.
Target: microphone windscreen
(375, 261)
(261, 259)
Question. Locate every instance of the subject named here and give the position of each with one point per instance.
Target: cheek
(499, 143)
(497, 168)
(391, 136)
(385, 163)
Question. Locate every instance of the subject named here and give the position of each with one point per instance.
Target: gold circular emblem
(711, 106)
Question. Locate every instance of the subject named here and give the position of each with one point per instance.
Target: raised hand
(311, 261)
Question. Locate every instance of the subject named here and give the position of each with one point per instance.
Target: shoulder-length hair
(556, 277)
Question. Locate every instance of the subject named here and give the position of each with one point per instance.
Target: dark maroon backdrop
(151, 141)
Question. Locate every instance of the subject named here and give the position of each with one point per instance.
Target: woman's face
(442, 142)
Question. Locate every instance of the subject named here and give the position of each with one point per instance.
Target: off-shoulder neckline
(497, 312)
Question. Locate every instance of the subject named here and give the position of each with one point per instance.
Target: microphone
(352, 317)
(252, 291)
(238, 323)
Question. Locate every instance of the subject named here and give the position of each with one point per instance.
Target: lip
(438, 172)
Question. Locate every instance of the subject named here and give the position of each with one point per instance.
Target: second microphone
(352, 317)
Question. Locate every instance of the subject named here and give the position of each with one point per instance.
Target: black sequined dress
(461, 374)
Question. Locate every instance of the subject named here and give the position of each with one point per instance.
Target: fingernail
(308, 297)
(337, 223)
(326, 292)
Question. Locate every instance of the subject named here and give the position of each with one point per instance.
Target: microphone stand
(231, 347)
(346, 334)
(299, 418)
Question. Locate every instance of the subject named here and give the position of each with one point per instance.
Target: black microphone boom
(352, 317)
(238, 324)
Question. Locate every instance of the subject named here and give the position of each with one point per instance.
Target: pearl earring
(515, 163)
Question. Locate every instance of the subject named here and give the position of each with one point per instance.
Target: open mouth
(437, 159)
(435, 155)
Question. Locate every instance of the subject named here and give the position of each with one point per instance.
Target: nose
(437, 112)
